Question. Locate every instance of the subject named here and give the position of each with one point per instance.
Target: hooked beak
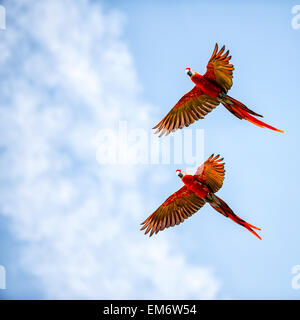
(189, 73)
(180, 175)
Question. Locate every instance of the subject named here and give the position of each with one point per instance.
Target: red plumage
(198, 189)
(209, 91)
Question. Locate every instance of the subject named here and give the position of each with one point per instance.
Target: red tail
(242, 112)
(223, 208)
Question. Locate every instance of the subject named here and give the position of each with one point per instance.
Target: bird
(209, 91)
(198, 190)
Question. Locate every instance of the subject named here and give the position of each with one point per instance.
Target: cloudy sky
(69, 224)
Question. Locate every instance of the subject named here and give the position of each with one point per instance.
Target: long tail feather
(242, 112)
(221, 206)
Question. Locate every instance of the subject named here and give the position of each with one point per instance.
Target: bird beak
(180, 175)
(189, 73)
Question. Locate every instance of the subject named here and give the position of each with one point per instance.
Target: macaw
(198, 190)
(209, 91)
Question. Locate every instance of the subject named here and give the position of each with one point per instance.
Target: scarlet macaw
(197, 190)
(209, 91)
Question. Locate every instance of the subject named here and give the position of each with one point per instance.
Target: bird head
(180, 173)
(190, 72)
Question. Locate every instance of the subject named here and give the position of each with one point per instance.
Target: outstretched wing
(193, 106)
(212, 172)
(219, 69)
(179, 206)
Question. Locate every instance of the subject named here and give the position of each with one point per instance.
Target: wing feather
(219, 69)
(179, 206)
(193, 106)
(212, 172)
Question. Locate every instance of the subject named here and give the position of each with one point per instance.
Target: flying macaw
(197, 190)
(209, 91)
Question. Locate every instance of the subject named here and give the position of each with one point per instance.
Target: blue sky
(69, 226)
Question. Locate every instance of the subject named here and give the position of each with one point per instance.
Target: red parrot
(209, 91)
(197, 190)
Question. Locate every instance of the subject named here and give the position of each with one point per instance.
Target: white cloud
(69, 74)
